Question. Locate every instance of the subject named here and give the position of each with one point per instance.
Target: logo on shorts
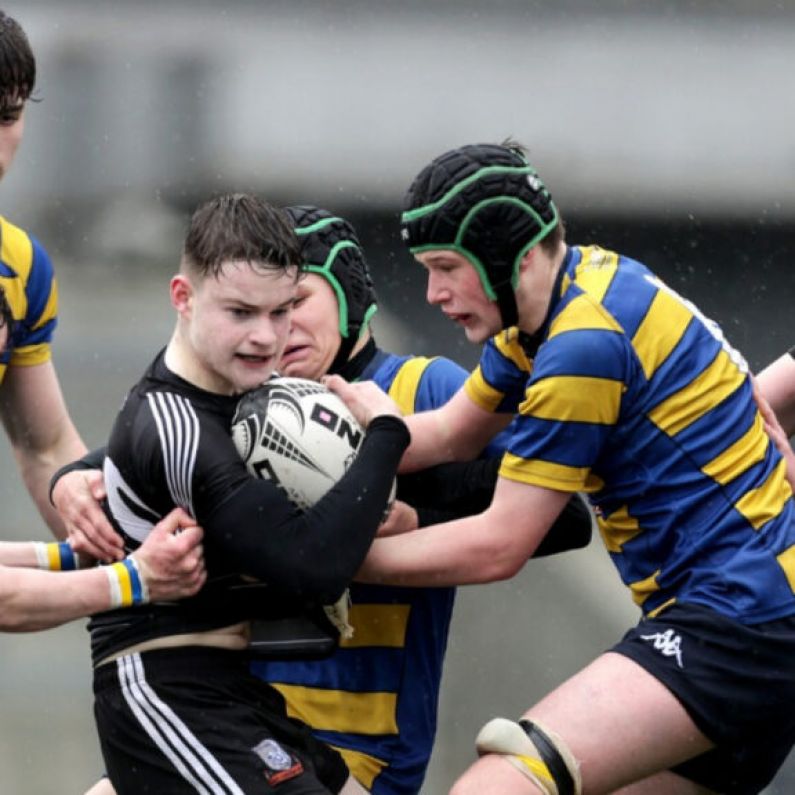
(279, 765)
(668, 644)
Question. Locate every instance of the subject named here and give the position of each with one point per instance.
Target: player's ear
(181, 293)
(528, 259)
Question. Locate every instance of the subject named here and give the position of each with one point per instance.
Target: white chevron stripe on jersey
(178, 428)
(167, 731)
(133, 515)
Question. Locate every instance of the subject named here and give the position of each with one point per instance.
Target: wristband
(56, 556)
(127, 586)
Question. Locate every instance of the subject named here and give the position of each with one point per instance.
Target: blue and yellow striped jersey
(376, 698)
(636, 398)
(26, 275)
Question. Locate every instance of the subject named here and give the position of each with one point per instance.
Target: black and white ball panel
(298, 434)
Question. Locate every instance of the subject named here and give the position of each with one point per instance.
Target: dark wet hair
(240, 227)
(17, 64)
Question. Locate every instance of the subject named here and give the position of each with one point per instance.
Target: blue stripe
(135, 581)
(68, 559)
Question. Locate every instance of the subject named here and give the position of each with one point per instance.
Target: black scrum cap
(486, 202)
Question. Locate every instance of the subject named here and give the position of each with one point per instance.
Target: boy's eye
(10, 115)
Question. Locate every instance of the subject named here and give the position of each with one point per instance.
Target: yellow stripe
(706, 391)
(481, 393)
(507, 343)
(748, 450)
(341, 710)
(583, 313)
(663, 606)
(595, 271)
(574, 398)
(660, 331)
(16, 249)
(403, 389)
(761, 505)
(125, 584)
(364, 768)
(548, 474)
(643, 589)
(787, 562)
(378, 625)
(53, 557)
(535, 766)
(617, 529)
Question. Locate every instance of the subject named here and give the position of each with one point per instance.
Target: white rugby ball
(297, 434)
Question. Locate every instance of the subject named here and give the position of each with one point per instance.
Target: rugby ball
(297, 434)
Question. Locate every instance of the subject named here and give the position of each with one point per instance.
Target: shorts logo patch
(279, 765)
(668, 644)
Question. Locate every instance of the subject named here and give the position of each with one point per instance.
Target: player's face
(238, 325)
(454, 286)
(12, 125)
(314, 330)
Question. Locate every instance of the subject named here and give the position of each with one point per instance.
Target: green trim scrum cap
(331, 249)
(486, 202)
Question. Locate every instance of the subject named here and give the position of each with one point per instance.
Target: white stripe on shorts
(170, 735)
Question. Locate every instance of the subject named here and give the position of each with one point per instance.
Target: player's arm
(777, 385)
(490, 546)
(775, 432)
(40, 430)
(77, 490)
(168, 565)
(456, 431)
(314, 554)
(452, 491)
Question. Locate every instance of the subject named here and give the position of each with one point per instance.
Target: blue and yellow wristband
(127, 586)
(56, 556)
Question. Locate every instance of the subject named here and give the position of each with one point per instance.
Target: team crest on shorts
(279, 764)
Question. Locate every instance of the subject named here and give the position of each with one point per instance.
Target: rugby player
(620, 388)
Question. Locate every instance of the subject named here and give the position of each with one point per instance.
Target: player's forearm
(20, 554)
(37, 465)
(460, 552)
(31, 600)
(777, 384)
(432, 442)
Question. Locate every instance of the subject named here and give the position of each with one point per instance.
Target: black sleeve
(91, 460)
(450, 491)
(314, 554)
(457, 489)
(571, 530)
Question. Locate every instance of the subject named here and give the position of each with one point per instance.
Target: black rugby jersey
(171, 446)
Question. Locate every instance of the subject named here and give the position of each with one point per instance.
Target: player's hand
(171, 560)
(401, 518)
(77, 497)
(775, 432)
(364, 398)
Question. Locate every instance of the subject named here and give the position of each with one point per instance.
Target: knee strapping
(537, 752)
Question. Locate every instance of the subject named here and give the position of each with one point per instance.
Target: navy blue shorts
(736, 682)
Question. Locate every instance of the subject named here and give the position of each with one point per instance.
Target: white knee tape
(508, 739)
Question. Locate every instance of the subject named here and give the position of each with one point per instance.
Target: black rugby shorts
(736, 682)
(195, 720)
